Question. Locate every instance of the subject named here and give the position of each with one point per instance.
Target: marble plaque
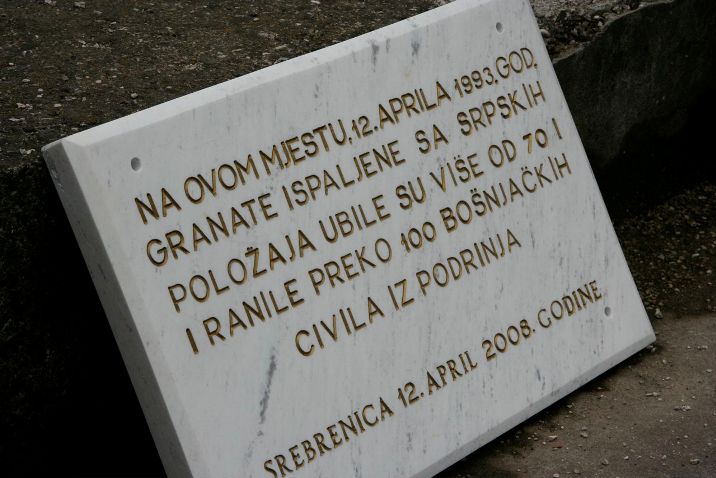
(368, 261)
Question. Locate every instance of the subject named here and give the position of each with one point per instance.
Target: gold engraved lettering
(167, 203)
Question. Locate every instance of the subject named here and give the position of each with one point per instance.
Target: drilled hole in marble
(499, 27)
(136, 164)
(608, 311)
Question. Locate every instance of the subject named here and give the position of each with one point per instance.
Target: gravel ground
(69, 65)
(567, 24)
(652, 416)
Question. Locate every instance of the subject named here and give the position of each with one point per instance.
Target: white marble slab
(439, 348)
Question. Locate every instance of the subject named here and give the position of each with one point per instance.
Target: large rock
(639, 77)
